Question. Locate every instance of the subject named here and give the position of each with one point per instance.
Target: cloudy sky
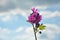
(14, 13)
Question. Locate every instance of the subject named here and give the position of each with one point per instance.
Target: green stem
(34, 32)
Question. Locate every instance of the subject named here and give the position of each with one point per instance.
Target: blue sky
(14, 14)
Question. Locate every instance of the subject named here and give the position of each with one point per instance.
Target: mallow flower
(34, 17)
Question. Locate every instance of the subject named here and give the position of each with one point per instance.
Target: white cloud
(49, 33)
(6, 16)
(12, 4)
(49, 14)
(53, 27)
(18, 11)
(19, 29)
(45, 14)
(29, 30)
(4, 33)
(43, 7)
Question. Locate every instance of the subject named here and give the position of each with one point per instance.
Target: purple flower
(34, 17)
(34, 10)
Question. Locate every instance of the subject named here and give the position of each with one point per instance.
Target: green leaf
(41, 27)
